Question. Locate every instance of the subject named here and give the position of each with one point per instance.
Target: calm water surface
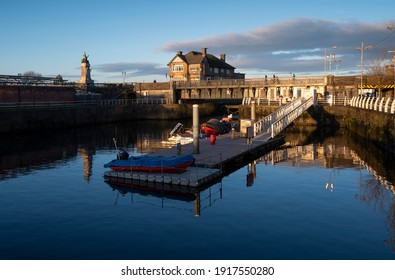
(316, 198)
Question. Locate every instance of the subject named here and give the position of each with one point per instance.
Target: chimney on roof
(223, 56)
(179, 52)
(204, 51)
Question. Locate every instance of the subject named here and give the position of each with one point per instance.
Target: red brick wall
(36, 93)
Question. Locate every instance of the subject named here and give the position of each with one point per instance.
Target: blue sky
(141, 37)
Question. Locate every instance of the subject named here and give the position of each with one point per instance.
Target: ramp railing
(282, 117)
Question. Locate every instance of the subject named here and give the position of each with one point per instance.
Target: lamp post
(326, 57)
(337, 62)
(124, 76)
(331, 58)
(361, 49)
(393, 51)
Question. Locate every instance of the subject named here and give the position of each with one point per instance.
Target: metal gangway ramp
(273, 124)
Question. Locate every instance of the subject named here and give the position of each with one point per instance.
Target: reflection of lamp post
(361, 49)
(393, 51)
(329, 186)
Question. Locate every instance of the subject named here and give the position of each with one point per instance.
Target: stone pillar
(253, 110)
(314, 94)
(85, 79)
(195, 128)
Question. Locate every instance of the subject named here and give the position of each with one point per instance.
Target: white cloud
(293, 46)
(297, 45)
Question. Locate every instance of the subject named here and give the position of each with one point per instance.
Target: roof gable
(178, 58)
(194, 57)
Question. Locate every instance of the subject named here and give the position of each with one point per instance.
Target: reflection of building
(87, 156)
(195, 66)
(377, 192)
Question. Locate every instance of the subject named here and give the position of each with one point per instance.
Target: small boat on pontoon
(179, 135)
(151, 163)
(216, 127)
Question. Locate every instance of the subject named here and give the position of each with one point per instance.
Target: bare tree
(378, 73)
(31, 74)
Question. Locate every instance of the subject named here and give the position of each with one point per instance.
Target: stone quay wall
(58, 118)
(373, 126)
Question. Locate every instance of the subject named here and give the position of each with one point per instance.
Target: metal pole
(393, 51)
(361, 67)
(361, 49)
(325, 63)
(195, 128)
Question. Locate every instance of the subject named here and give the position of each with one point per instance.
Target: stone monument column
(85, 80)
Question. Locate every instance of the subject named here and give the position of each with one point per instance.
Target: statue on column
(84, 58)
(85, 79)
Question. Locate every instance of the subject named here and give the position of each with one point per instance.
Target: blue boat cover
(152, 161)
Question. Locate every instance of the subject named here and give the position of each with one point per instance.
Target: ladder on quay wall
(277, 121)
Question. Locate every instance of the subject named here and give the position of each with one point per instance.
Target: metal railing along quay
(314, 80)
(15, 106)
(381, 104)
(297, 110)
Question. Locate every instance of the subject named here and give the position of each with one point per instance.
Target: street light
(331, 58)
(327, 56)
(124, 76)
(361, 49)
(337, 62)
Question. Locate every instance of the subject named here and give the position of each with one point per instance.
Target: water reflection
(239, 200)
(201, 197)
(338, 152)
(21, 154)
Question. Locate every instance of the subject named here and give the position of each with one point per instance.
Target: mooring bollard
(212, 139)
(178, 147)
(233, 133)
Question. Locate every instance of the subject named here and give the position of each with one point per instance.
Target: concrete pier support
(253, 110)
(314, 94)
(195, 128)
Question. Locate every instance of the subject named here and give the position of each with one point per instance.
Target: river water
(321, 196)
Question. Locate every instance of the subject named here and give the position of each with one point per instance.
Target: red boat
(216, 127)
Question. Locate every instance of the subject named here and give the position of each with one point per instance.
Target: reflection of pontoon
(126, 186)
(201, 197)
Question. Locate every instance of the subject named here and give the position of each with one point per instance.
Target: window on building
(178, 68)
(194, 68)
(227, 72)
(216, 70)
